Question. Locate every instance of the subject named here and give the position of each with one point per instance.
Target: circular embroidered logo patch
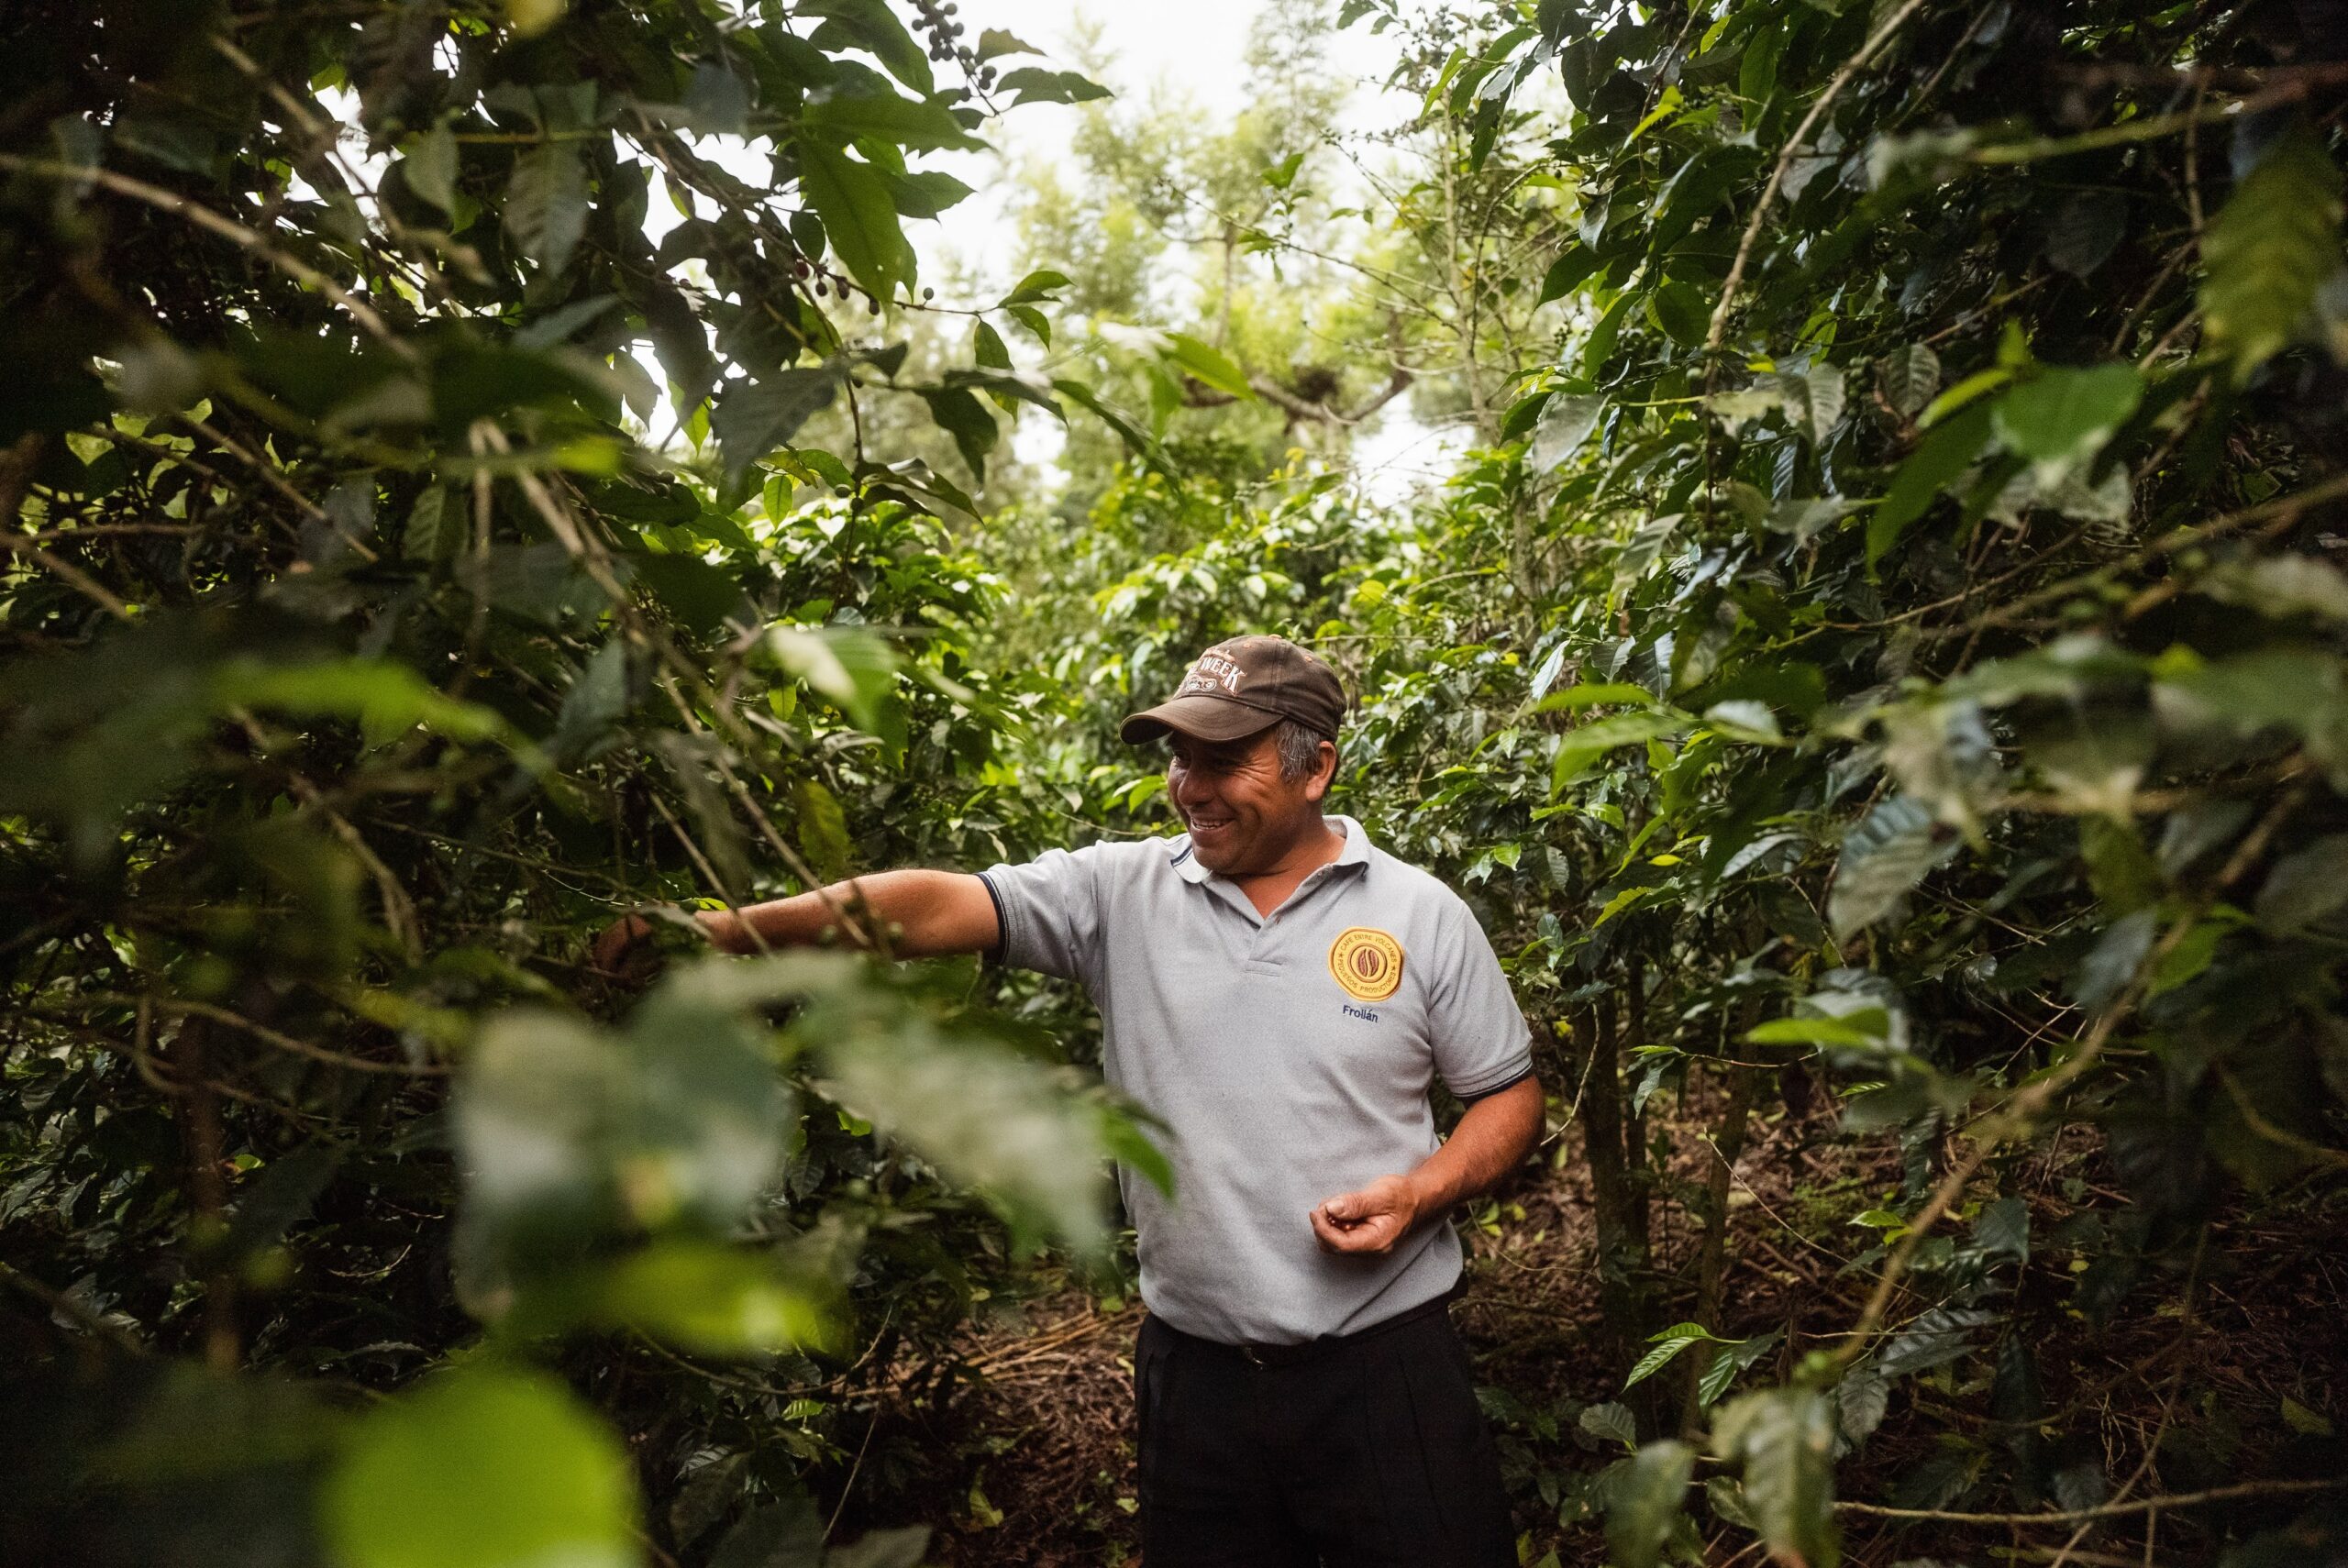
(1368, 963)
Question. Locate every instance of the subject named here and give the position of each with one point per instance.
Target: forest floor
(1044, 1422)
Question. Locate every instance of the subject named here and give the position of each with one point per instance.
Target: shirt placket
(1266, 946)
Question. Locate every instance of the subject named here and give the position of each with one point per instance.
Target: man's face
(1243, 816)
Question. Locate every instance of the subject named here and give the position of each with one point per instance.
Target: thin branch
(107, 530)
(2283, 509)
(1794, 143)
(65, 1306)
(2150, 128)
(2036, 1098)
(276, 481)
(2280, 1136)
(259, 1031)
(2106, 1510)
(399, 909)
(227, 228)
(81, 582)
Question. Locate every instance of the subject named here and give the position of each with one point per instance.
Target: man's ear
(1324, 775)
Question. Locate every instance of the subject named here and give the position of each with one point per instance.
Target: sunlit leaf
(716, 1300)
(1567, 420)
(1036, 85)
(2061, 416)
(1037, 285)
(1668, 1343)
(1207, 364)
(482, 1467)
(998, 1123)
(1852, 1032)
(2269, 249)
(847, 665)
(752, 419)
(1884, 856)
(1945, 454)
(546, 203)
(1785, 1438)
(1644, 1506)
(1612, 1420)
(388, 698)
(860, 217)
(430, 166)
(908, 122)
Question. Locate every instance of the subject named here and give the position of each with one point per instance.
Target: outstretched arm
(1497, 1132)
(926, 915)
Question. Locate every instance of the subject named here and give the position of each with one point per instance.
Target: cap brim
(1199, 717)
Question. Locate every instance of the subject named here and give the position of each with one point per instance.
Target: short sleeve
(1481, 1041)
(1049, 910)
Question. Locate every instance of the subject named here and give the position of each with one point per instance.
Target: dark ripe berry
(949, 8)
(957, 30)
(929, 294)
(986, 76)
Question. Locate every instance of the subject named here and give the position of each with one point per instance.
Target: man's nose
(1191, 788)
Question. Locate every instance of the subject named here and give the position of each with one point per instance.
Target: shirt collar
(1355, 852)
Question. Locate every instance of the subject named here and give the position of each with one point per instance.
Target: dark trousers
(1358, 1452)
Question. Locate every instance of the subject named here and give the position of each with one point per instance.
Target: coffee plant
(1877, 669)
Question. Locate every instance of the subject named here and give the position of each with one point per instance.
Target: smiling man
(1283, 994)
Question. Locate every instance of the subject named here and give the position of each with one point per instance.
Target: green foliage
(1878, 641)
(1860, 669)
(1785, 1440)
(1643, 1514)
(2274, 244)
(480, 1465)
(364, 654)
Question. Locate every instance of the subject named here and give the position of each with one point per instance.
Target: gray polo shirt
(1290, 1058)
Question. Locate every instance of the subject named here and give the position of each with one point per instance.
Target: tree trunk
(1621, 1243)
(1636, 1162)
(204, 1146)
(1712, 1254)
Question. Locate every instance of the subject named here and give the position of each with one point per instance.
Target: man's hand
(1370, 1220)
(624, 954)
(1491, 1138)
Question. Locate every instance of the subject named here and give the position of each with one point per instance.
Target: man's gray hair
(1300, 749)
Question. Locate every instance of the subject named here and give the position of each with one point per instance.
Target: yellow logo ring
(1366, 963)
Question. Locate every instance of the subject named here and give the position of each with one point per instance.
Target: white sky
(1197, 49)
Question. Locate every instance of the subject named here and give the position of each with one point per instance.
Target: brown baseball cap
(1242, 686)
